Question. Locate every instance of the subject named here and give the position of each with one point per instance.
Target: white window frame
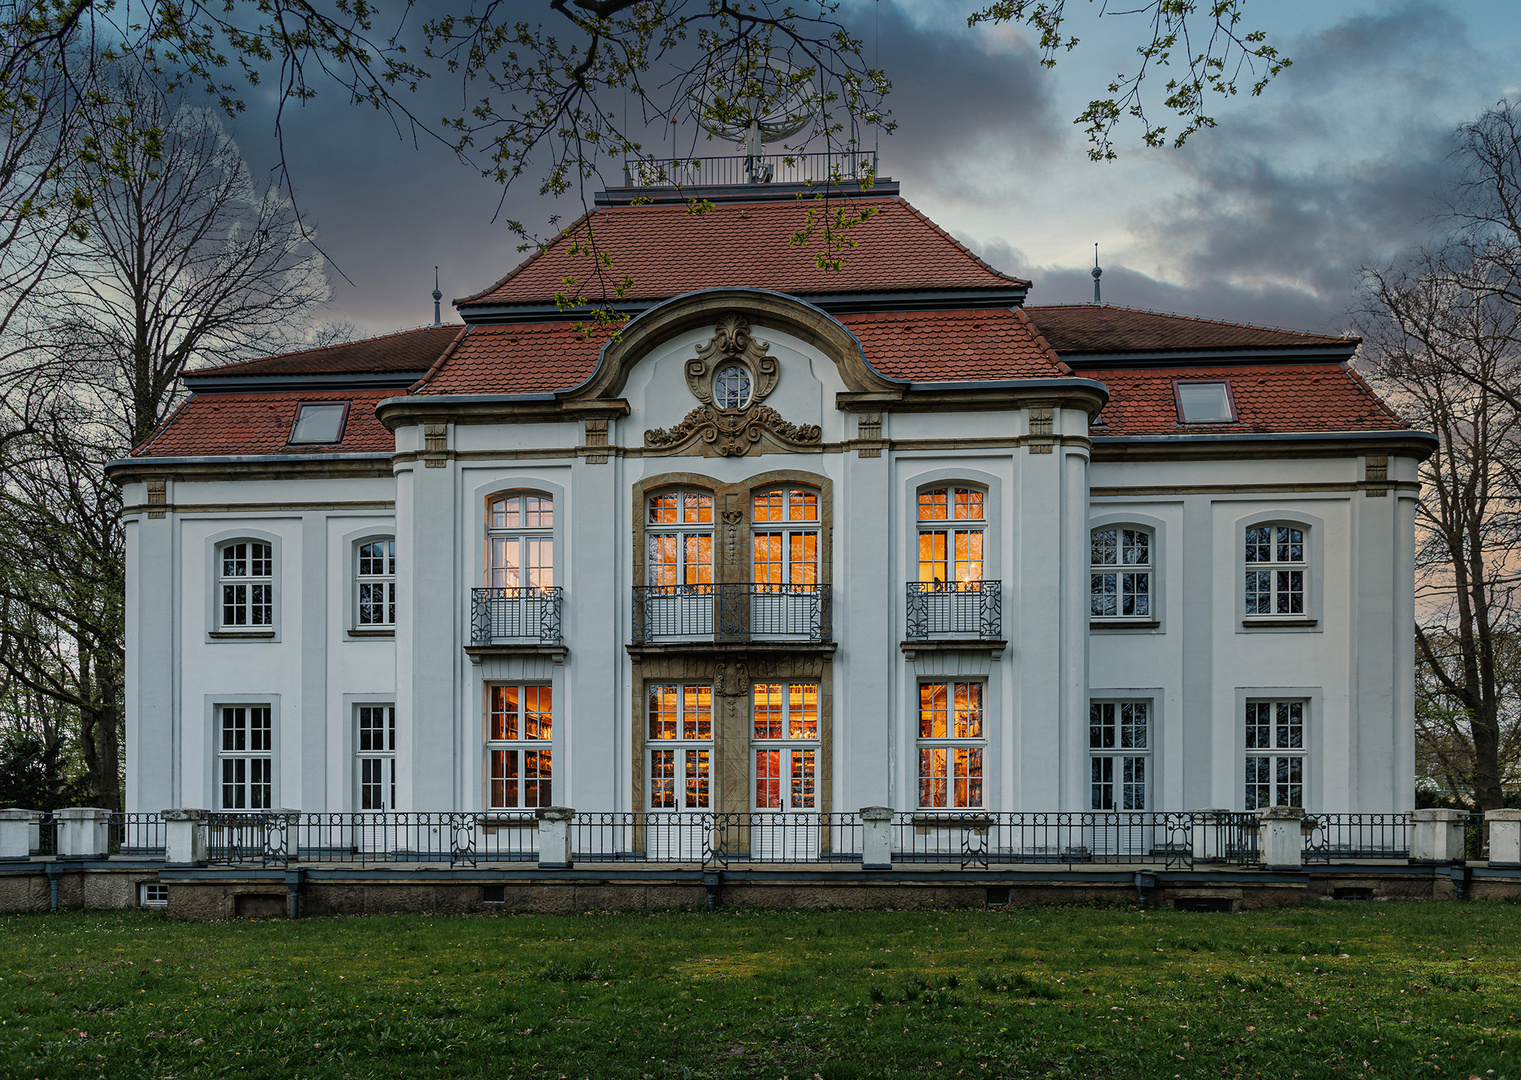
(1125, 533)
(256, 755)
(152, 894)
(536, 752)
(685, 747)
(1278, 569)
(951, 525)
(257, 599)
(1109, 765)
(792, 572)
(530, 575)
(385, 753)
(951, 744)
(385, 582)
(1288, 766)
(687, 527)
(795, 789)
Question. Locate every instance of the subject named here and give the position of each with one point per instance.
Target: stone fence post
(185, 836)
(16, 834)
(1211, 835)
(876, 838)
(1437, 835)
(84, 832)
(1504, 837)
(1281, 837)
(554, 836)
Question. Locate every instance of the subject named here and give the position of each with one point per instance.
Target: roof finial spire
(1098, 272)
(437, 296)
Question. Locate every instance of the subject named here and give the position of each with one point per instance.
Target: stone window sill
(241, 635)
(372, 631)
(1279, 624)
(1124, 624)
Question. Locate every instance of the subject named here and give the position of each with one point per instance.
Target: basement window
(319, 424)
(152, 894)
(1204, 402)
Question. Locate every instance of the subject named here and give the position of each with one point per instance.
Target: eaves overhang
(133, 469)
(1407, 441)
(978, 395)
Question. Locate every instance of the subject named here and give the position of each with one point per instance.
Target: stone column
(84, 832)
(1211, 838)
(876, 838)
(185, 836)
(554, 836)
(16, 835)
(1437, 835)
(1504, 837)
(1281, 837)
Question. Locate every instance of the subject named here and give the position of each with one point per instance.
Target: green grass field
(1347, 990)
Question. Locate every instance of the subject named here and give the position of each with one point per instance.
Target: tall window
(785, 738)
(246, 757)
(246, 572)
(950, 744)
(520, 546)
(1119, 750)
(375, 583)
(519, 727)
(680, 742)
(376, 757)
(1274, 753)
(679, 539)
(785, 537)
(951, 528)
(1275, 570)
(1120, 575)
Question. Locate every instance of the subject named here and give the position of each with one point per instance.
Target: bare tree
(183, 261)
(1437, 339)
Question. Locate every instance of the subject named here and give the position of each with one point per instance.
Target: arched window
(785, 537)
(245, 579)
(679, 539)
(375, 584)
(1119, 574)
(520, 550)
(951, 532)
(1276, 567)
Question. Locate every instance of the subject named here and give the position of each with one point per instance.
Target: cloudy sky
(1343, 162)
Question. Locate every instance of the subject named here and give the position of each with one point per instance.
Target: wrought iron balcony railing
(503, 616)
(962, 609)
(751, 169)
(732, 611)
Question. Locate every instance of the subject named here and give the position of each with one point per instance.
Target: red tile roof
(1284, 398)
(954, 346)
(407, 350)
(527, 358)
(1074, 329)
(260, 423)
(670, 251)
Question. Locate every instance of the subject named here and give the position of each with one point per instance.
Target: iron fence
(706, 838)
(728, 170)
(502, 615)
(45, 840)
(249, 837)
(137, 834)
(955, 608)
(1475, 838)
(978, 839)
(732, 611)
(1337, 837)
(1226, 836)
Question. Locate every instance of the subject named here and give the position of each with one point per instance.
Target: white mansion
(789, 540)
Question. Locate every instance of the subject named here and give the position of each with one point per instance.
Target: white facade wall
(1197, 667)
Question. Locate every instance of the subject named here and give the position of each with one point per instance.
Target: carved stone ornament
(732, 343)
(732, 432)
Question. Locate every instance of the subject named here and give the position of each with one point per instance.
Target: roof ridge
(541, 250)
(318, 349)
(1194, 318)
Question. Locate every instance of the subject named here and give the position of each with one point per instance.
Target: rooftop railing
(727, 171)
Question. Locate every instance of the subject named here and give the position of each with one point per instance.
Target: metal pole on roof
(1098, 272)
(437, 296)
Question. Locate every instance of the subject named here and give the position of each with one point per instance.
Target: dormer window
(1204, 402)
(319, 424)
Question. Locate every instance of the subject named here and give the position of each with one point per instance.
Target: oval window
(731, 388)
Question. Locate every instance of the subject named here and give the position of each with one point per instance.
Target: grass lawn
(1350, 990)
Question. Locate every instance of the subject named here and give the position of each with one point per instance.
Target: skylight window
(319, 425)
(1204, 402)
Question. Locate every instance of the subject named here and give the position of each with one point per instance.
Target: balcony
(724, 171)
(732, 612)
(954, 612)
(523, 617)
